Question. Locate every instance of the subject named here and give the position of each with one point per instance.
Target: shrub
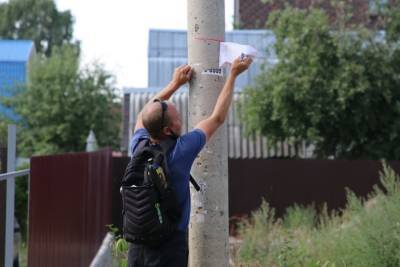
(366, 234)
(330, 86)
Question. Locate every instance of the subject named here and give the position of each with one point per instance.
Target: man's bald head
(153, 121)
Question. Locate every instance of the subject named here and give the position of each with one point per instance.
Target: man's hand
(182, 74)
(239, 65)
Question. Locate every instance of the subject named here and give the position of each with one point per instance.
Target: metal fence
(9, 178)
(240, 144)
(70, 204)
(283, 183)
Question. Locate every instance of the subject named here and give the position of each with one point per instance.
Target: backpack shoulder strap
(132, 168)
(194, 183)
(142, 143)
(166, 146)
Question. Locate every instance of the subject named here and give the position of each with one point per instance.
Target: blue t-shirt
(179, 160)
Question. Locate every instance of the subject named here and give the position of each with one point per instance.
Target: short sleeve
(188, 147)
(138, 135)
(194, 141)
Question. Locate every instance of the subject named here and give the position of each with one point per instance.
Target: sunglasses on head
(164, 108)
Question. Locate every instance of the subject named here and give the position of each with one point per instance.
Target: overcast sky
(115, 33)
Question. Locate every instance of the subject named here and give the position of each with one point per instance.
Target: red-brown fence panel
(69, 208)
(282, 183)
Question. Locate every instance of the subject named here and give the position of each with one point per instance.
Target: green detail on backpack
(159, 212)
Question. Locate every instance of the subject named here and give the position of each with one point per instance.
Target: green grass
(23, 255)
(366, 234)
(120, 250)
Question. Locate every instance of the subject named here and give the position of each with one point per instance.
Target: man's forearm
(167, 92)
(224, 100)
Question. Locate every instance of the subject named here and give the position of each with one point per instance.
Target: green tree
(3, 131)
(38, 20)
(61, 104)
(338, 90)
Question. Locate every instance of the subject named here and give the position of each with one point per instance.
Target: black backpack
(150, 207)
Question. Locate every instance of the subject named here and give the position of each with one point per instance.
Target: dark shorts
(173, 253)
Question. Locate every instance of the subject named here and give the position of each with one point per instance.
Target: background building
(15, 58)
(253, 14)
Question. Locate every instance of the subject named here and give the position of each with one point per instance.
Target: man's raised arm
(211, 124)
(182, 75)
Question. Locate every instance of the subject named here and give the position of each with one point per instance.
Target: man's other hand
(182, 74)
(239, 65)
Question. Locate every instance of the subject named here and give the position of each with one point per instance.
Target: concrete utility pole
(208, 230)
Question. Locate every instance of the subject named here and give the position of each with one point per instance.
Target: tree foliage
(60, 105)
(38, 20)
(338, 90)
(3, 131)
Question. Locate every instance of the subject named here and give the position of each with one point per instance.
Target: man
(160, 121)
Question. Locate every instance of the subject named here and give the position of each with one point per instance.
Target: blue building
(15, 58)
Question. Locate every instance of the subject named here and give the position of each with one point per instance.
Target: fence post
(3, 184)
(91, 142)
(10, 197)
